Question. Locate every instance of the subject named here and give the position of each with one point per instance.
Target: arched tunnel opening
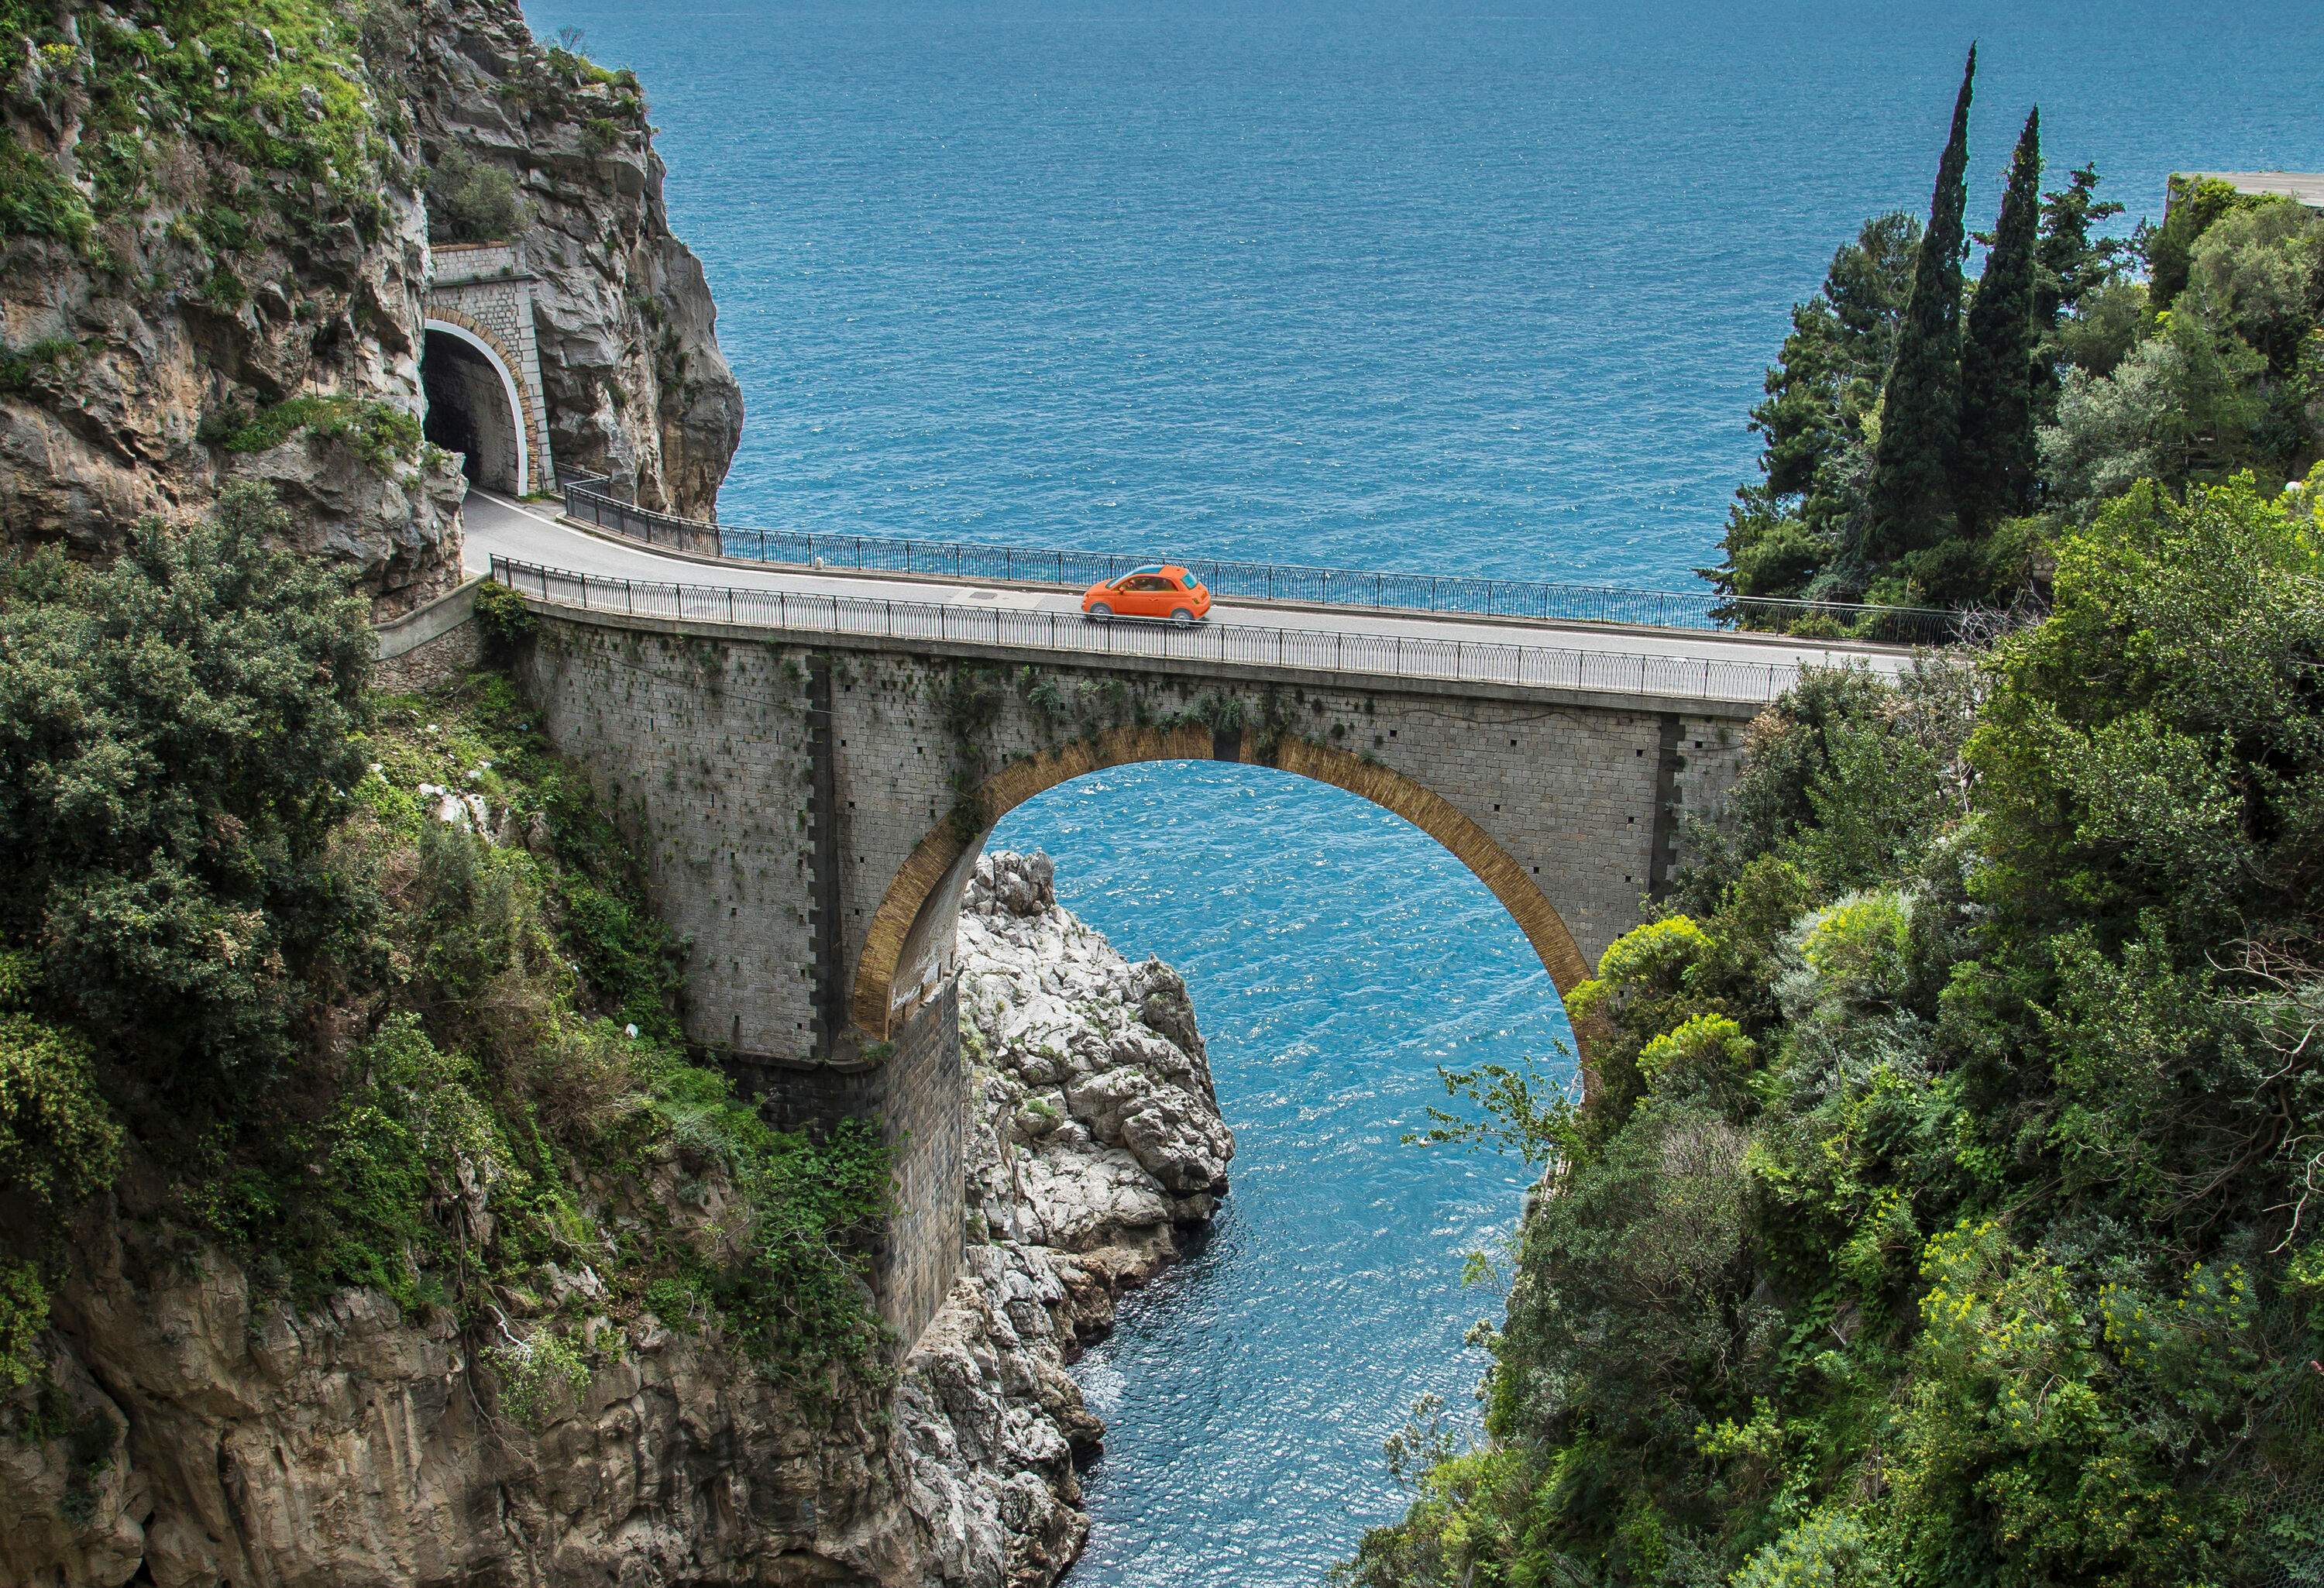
(470, 411)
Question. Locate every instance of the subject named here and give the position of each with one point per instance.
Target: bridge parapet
(1654, 680)
(1379, 590)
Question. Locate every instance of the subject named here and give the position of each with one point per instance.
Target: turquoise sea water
(1472, 286)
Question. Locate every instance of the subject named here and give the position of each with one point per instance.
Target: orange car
(1163, 590)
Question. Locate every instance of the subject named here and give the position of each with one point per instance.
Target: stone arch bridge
(810, 772)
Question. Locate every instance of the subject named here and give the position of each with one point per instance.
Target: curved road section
(570, 565)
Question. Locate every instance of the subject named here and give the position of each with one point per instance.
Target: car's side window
(1148, 582)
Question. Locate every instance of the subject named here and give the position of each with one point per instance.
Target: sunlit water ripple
(1475, 286)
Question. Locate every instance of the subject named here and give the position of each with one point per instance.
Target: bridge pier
(807, 811)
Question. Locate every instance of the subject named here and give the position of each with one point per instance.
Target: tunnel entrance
(472, 410)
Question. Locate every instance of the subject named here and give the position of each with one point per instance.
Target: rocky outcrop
(1095, 1135)
(143, 333)
(195, 1432)
(198, 1436)
(637, 388)
(213, 263)
(1095, 1147)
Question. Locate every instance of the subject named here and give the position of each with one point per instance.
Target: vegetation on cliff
(1919, 453)
(270, 91)
(1943, 1205)
(363, 988)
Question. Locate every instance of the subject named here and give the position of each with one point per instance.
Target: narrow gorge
(1771, 1032)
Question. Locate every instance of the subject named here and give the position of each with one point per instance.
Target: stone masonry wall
(482, 287)
(704, 745)
(721, 758)
(703, 751)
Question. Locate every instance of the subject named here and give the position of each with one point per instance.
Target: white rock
(1093, 1137)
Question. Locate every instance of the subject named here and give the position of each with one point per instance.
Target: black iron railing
(1452, 594)
(1724, 678)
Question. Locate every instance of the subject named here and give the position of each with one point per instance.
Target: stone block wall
(1571, 798)
(483, 289)
(807, 818)
(455, 263)
(1709, 756)
(703, 751)
(431, 645)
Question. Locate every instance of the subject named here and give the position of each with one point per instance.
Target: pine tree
(1910, 504)
(1994, 469)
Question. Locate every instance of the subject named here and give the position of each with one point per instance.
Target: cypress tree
(1995, 476)
(1910, 504)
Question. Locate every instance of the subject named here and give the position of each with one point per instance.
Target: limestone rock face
(133, 361)
(206, 1437)
(637, 387)
(1099, 1125)
(141, 365)
(1094, 1146)
(198, 1433)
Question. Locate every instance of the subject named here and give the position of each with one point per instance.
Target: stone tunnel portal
(473, 408)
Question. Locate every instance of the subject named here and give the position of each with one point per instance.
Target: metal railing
(1455, 594)
(1052, 633)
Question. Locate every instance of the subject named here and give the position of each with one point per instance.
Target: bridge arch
(787, 793)
(908, 947)
(460, 364)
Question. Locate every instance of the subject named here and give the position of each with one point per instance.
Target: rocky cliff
(195, 1433)
(637, 387)
(1094, 1148)
(213, 228)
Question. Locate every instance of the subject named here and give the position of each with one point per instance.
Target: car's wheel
(1099, 611)
(1182, 617)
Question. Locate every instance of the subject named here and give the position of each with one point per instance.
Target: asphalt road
(524, 532)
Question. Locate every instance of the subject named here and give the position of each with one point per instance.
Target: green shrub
(272, 85)
(47, 359)
(382, 436)
(225, 290)
(470, 200)
(469, 1047)
(1964, 1231)
(502, 615)
(23, 1318)
(174, 752)
(36, 201)
(59, 1142)
(533, 1370)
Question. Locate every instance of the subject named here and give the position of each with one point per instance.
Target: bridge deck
(1710, 666)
